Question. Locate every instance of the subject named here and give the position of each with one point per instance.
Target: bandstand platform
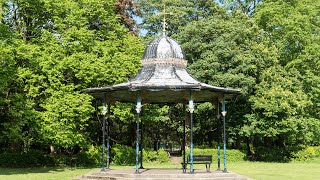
(160, 174)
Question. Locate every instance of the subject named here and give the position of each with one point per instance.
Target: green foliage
(123, 155)
(233, 155)
(160, 156)
(228, 50)
(155, 116)
(52, 51)
(267, 154)
(246, 6)
(293, 27)
(90, 157)
(279, 105)
(182, 13)
(272, 56)
(284, 108)
(31, 158)
(285, 155)
(307, 153)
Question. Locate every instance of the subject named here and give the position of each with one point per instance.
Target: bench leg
(184, 168)
(208, 167)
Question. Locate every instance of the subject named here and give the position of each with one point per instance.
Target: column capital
(139, 105)
(104, 110)
(191, 105)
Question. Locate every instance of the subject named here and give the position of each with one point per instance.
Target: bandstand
(163, 79)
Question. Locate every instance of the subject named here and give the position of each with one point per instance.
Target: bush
(307, 153)
(160, 156)
(123, 155)
(233, 155)
(91, 157)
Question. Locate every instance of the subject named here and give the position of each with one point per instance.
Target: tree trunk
(52, 150)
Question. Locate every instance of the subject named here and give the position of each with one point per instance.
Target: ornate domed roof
(164, 50)
(163, 78)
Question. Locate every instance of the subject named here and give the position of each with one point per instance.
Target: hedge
(125, 155)
(233, 155)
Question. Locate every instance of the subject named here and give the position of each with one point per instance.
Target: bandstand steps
(165, 178)
(155, 176)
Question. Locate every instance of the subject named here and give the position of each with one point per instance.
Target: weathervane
(164, 13)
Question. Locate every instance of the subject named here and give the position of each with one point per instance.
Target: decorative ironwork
(224, 112)
(138, 109)
(191, 109)
(103, 131)
(164, 21)
(181, 63)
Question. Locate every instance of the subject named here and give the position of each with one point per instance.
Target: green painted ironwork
(138, 109)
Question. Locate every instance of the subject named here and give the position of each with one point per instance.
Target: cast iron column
(218, 129)
(191, 109)
(138, 109)
(184, 137)
(108, 138)
(224, 112)
(141, 144)
(104, 111)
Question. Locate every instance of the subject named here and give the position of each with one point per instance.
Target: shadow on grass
(28, 170)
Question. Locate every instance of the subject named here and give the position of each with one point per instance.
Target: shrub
(90, 157)
(160, 156)
(163, 156)
(123, 155)
(307, 153)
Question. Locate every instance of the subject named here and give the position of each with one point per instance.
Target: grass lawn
(42, 173)
(309, 170)
(257, 170)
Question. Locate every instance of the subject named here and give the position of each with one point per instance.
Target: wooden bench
(207, 160)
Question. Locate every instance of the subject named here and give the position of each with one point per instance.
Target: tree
(279, 106)
(182, 12)
(62, 48)
(248, 7)
(127, 10)
(228, 51)
(293, 27)
(231, 49)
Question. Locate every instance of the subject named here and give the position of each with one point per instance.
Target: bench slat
(200, 158)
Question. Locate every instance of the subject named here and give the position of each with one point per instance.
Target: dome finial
(164, 21)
